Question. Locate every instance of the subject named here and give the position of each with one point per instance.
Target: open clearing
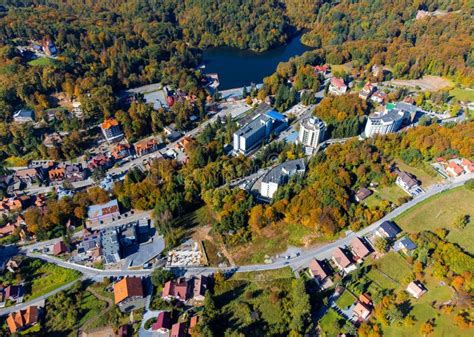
(464, 95)
(427, 83)
(441, 211)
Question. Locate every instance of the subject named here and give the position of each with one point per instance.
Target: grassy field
(441, 211)
(254, 304)
(41, 278)
(41, 62)
(345, 300)
(463, 94)
(329, 324)
(389, 193)
(422, 310)
(394, 266)
(422, 174)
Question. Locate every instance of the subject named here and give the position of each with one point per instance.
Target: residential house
(14, 204)
(467, 165)
(342, 260)
(416, 289)
(454, 169)
(24, 115)
(388, 230)
(317, 270)
(176, 289)
(404, 244)
(14, 293)
(111, 130)
(75, 173)
(100, 161)
(322, 69)
(121, 150)
(60, 248)
(23, 319)
(56, 175)
(89, 247)
(361, 312)
(171, 133)
(146, 146)
(192, 323)
(7, 230)
(107, 183)
(200, 286)
(359, 248)
(63, 192)
(337, 86)
(163, 322)
(128, 293)
(362, 194)
(366, 91)
(2, 297)
(98, 214)
(52, 140)
(49, 48)
(29, 176)
(378, 97)
(408, 183)
(280, 175)
(178, 330)
(13, 264)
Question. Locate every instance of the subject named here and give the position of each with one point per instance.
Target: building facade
(312, 132)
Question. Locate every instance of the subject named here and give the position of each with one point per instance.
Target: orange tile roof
(108, 123)
(128, 287)
(23, 318)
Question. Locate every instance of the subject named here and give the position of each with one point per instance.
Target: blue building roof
(276, 115)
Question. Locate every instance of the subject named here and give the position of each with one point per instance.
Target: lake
(237, 68)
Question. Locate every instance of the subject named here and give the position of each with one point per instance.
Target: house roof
(365, 298)
(128, 287)
(338, 82)
(457, 169)
(108, 123)
(416, 288)
(341, 258)
(390, 228)
(163, 321)
(194, 321)
(59, 248)
(317, 269)
(22, 318)
(200, 285)
(363, 193)
(96, 211)
(408, 179)
(178, 330)
(359, 247)
(361, 310)
(405, 243)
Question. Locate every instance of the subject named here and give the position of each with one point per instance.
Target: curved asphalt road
(300, 261)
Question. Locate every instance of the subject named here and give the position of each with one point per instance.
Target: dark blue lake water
(237, 68)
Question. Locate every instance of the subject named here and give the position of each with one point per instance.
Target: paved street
(295, 263)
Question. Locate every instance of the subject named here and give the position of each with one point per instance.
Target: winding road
(321, 252)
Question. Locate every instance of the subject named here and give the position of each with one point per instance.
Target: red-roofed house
(318, 272)
(163, 322)
(379, 97)
(359, 248)
(342, 260)
(178, 330)
(22, 319)
(366, 91)
(60, 248)
(454, 169)
(467, 165)
(176, 289)
(323, 69)
(337, 86)
(128, 293)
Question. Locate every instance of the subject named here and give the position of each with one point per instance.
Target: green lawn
(422, 174)
(41, 62)
(330, 323)
(394, 266)
(389, 193)
(345, 300)
(441, 211)
(463, 94)
(91, 306)
(44, 277)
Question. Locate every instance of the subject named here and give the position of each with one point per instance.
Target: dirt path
(109, 306)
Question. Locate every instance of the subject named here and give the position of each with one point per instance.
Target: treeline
(387, 33)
